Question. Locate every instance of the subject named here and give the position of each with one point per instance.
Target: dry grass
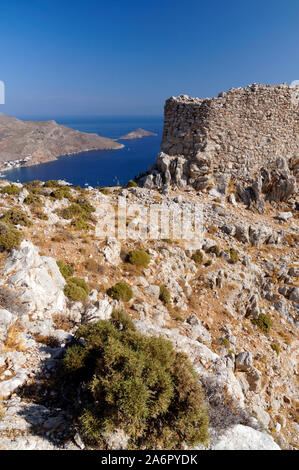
(12, 341)
(49, 341)
(62, 322)
(2, 410)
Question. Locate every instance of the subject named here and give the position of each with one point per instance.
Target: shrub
(167, 240)
(132, 184)
(136, 383)
(104, 191)
(86, 206)
(139, 258)
(233, 256)
(71, 211)
(49, 341)
(76, 289)
(263, 322)
(225, 342)
(81, 209)
(51, 184)
(120, 291)
(215, 249)
(197, 257)
(66, 269)
(275, 348)
(62, 192)
(16, 217)
(164, 295)
(208, 263)
(33, 186)
(11, 189)
(9, 237)
(91, 265)
(80, 224)
(32, 199)
(41, 215)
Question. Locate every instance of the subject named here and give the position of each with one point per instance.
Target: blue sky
(121, 57)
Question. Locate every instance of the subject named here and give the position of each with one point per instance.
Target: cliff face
(234, 134)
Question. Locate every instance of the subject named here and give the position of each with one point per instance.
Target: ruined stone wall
(236, 133)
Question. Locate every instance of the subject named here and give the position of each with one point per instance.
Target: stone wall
(233, 135)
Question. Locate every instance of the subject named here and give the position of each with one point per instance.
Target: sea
(104, 167)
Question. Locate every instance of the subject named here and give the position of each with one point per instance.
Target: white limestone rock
(100, 310)
(36, 279)
(240, 437)
(112, 251)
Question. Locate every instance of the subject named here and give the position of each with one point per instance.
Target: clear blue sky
(61, 57)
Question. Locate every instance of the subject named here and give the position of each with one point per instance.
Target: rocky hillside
(229, 300)
(31, 142)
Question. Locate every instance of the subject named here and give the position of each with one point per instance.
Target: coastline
(47, 160)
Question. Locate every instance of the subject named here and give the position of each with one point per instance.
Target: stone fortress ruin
(213, 140)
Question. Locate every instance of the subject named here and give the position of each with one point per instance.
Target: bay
(99, 168)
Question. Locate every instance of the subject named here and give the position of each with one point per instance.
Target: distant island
(32, 142)
(137, 134)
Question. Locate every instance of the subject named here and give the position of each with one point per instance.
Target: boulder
(100, 310)
(244, 361)
(36, 279)
(112, 251)
(240, 437)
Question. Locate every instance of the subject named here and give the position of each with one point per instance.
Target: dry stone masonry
(209, 141)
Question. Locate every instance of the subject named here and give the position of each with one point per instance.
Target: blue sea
(99, 168)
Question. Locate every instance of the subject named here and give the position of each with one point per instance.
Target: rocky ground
(250, 375)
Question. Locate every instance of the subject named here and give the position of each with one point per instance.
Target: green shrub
(51, 184)
(132, 184)
(275, 348)
(139, 258)
(197, 257)
(9, 237)
(215, 249)
(74, 210)
(263, 322)
(104, 191)
(86, 206)
(164, 295)
(33, 186)
(62, 192)
(208, 263)
(81, 209)
(32, 199)
(120, 291)
(11, 189)
(136, 383)
(16, 217)
(233, 256)
(66, 269)
(80, 224)
(76, 289)
(225, 342)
